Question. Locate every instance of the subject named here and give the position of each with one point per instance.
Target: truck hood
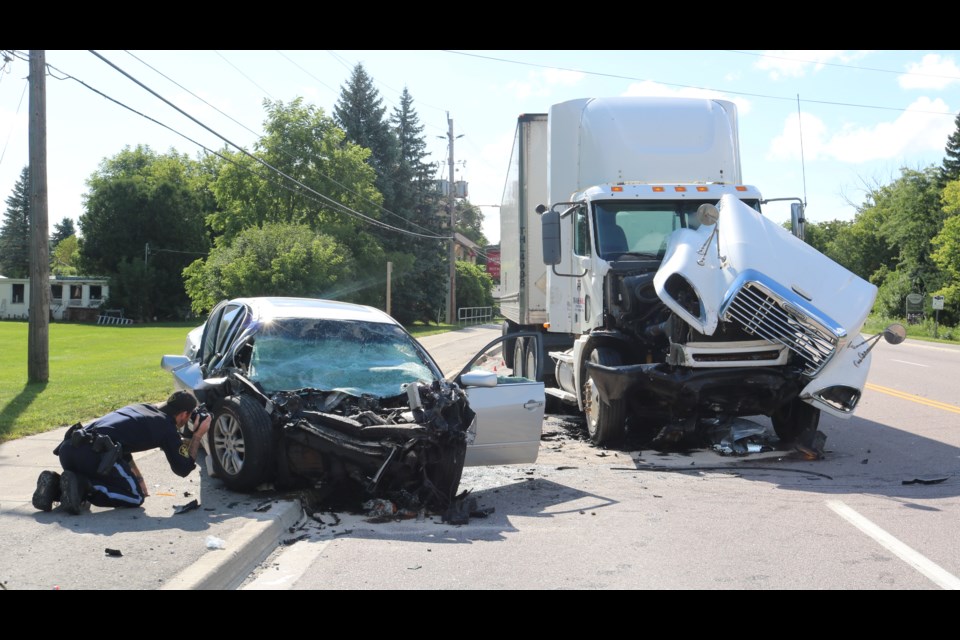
(749, 247)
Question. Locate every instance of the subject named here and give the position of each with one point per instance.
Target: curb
(246, 548)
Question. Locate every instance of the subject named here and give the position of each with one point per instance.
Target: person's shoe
(73, 491)
(48, 490)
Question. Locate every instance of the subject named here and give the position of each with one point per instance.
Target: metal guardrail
(474, 315)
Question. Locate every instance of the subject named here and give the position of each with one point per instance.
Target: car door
(509, 407)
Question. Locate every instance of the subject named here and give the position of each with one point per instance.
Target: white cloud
(650, 88)
(539, 83)
(794, 64)
(787, 146)
(916, 130)
(932, 72)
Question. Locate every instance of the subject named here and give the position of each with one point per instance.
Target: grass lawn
(93, 370)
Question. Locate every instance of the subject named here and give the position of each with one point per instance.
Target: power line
(689, 86)
(326, 198)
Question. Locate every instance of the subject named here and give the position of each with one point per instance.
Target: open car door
(509, 407)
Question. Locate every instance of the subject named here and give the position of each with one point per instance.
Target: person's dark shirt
(141, 427)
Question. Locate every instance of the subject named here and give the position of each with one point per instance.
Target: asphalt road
(878, 512)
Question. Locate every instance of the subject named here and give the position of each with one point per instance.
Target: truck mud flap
(685, 392)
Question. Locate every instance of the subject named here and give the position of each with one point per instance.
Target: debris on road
(183, 508)
(923, 481)
(113, 553)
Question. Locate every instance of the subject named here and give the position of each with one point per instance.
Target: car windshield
(336, 355)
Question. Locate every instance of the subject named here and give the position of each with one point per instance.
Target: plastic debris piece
(380, 507)
(924, 481)
(113, 553)
(214, 542)
(289, 541)
(183, 508)
(263, 507)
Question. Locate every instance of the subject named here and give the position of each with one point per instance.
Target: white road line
(913, 363)
(934, 572)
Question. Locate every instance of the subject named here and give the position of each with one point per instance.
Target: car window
(336, 355)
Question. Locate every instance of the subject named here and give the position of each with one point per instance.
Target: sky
(824, 126)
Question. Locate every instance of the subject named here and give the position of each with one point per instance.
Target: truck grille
(761, 312)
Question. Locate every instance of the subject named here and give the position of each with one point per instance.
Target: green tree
(417, 257)
(278, 259)
(15, 233)
(469, 220)
(360, 113)
(61, 231)
(64, 256)
(325, 184)
(474, 286)
(946, 253)
(950, 170)
(143, 224)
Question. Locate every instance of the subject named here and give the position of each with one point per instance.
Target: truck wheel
(794, 418)
(241, 443)
(606, 423)
(508, 345)
(519, 358)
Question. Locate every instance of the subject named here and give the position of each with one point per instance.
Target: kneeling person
(97, 460)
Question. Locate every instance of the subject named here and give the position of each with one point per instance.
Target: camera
(198, 415)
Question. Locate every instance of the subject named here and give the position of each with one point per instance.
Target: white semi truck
(664, 296)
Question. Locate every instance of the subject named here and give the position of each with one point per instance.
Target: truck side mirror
(550, 227)
(797, 221)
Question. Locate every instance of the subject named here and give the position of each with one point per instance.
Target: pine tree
(951, 163)
(15, 234)
(416, 200)
(61, 231)
(360, 113)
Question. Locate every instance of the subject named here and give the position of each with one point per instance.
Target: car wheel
(530, 359)
(794, 418)
(606, 423)
(241, 443)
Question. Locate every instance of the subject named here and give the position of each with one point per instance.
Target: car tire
(606, 423)
(793, 419)
(241, 443)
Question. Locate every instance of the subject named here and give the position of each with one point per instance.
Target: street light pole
(451, 202)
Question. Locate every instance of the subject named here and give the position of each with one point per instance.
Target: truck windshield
(634, 228)
(643, 228)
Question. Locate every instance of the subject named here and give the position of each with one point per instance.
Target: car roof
(286, 307)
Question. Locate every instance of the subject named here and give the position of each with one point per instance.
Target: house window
(56, 292)
(95, 292)
(76, 292)
(18, 294)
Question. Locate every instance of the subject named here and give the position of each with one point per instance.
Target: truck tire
(508, 344)
(518, 358)
(606, 423)
(794, 418)
(241, 443)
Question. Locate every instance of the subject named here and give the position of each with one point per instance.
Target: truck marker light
(616, 189)
(681, 189)
(702, 189)
(658, 189)
(740, 188)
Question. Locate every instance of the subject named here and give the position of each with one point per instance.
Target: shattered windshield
(336, 355)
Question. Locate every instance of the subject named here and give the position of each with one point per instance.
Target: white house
(71, 297)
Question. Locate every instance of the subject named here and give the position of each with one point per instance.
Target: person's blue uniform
(136, 427)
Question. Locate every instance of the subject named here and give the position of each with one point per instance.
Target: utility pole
(451, 202)
(38, 335)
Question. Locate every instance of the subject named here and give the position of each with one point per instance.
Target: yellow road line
(909, 396)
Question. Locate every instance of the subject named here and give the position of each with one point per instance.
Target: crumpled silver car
(308, 392)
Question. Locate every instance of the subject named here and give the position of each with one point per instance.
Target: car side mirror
(479, 379)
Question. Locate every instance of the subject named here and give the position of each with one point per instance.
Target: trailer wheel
(519, 357)
(509, 344)
(606, 423)
(794, 418)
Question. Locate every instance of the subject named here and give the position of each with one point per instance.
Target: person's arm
(197, 438)
(139, 477)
